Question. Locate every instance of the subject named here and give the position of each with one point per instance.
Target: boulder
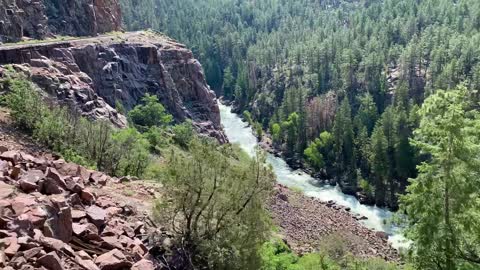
(11, 156)
(97, 215)
(99, 178)
(51, 261)
(53, 174)
(87, 196)
(112, 260)
(143, 265)
(13, 247)
(6, 190)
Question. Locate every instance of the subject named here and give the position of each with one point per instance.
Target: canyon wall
(92, 74)
(38, 19)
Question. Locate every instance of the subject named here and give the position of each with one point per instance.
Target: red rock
(113, 211)
(143, 265)
(78, 214)
(112, 260)
(55, 175)
(97, 215)
(83, 255)
(6, 190)
(28, 254)
(15, 172)
(87, 264)
(37, 215)
(22, 202)
(59, 224)
(18, 262)
(111, 242)
(3, 167)
(74, 184)
(50, 186)
(51, 243)
(12, 156)
(99, 178)
(3, 259)
(83, 229)
(27, 186)
(33, 176)
(51, 261)
(12, 248)
(31, 159)
(87, 196)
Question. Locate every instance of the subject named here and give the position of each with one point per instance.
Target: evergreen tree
(344, 148)
(442, 202)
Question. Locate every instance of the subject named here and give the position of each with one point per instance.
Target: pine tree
(344, 148)
(379, 163)
(442, 203)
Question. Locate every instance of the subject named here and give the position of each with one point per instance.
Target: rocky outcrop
(305, 222)
(39, 19)
(83, 17)
(40, 229)
(91, 75)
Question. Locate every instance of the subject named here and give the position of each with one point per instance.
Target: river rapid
(239, 133)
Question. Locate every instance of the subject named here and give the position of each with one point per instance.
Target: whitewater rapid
(378, 219)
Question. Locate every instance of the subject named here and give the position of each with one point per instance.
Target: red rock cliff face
(39, 19)
(92, 74)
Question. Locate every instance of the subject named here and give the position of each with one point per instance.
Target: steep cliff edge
(92, 74)
(39, 19)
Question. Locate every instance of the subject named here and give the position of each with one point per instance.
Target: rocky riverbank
(307, 223)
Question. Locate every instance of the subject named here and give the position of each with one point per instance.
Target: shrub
(90, 143)
(150, 113)
(25, 102)
(217, 204)
(183, 134)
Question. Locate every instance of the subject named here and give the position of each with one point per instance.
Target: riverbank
(307, 224)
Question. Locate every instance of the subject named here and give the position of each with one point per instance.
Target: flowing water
(378, 218)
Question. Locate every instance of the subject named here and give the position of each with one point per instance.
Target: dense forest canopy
(370, 63)
(342, 85)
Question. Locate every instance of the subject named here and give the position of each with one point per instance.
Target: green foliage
(276, 131)
(129, 152)
(248, 117)
(258, 130)
(93, 144)
(217, 204)
(442, 202)
(156, 137)
(276, 255)
(151, 113)
(291, 126)
(274, 58)
(317, 153)
(25, 102)
(183, 134)
(344, 147)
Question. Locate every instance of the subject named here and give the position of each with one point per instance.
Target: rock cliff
(39, 19)
(91, 75)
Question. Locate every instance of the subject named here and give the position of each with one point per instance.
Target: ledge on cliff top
(144, 37)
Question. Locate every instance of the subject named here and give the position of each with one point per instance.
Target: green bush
(91, 143)
(25, 102)
(128, 153)
(150, 113)
(217, 202)
(183, 134)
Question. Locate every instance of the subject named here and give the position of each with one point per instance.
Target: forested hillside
(296, 64)
(341, 86)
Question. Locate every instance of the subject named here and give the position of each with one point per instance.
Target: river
(378, 218)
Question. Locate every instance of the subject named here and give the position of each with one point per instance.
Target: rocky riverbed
(307, 223)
